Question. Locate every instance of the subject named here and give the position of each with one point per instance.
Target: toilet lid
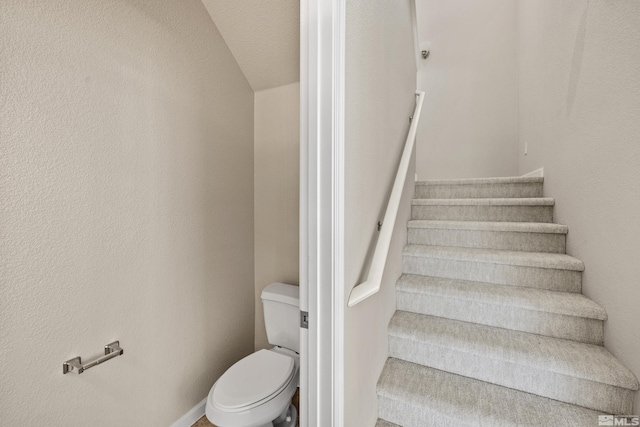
(252, 379)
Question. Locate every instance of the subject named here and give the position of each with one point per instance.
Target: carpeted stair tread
(512, 236)
(530, 201)
(383, 423)
(422, 396)
(565, 303)
(516, 187)
(521, 227)
(491, 328)
(565, 315)
(570, 358)
(492, 256)
(488, 181)
(514, 209)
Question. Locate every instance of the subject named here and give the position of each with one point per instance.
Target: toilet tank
(281, 303)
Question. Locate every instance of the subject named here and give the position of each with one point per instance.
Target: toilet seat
(253, 380)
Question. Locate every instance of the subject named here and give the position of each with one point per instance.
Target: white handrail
(372, 285)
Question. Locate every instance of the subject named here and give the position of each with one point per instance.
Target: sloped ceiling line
(263, 36)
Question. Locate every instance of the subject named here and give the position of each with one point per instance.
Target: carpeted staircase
(491, 328)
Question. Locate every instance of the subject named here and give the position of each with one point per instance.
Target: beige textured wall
(380, 87)
(264, 37)
(580, 116)
(126, 179)
(470, 123)
(277, 192)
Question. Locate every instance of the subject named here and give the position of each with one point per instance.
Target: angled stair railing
(372, 285)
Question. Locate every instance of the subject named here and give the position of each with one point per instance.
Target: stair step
(514, 236)
(505, 209)
(411, 395)
(384, 423)
(557, 272)
(517, 187)
(551, 313)
(568, 371)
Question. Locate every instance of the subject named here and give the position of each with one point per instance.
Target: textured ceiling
(264, 37)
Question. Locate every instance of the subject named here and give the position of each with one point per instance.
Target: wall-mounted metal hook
(425, 49)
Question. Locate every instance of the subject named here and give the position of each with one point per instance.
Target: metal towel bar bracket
(75, 365)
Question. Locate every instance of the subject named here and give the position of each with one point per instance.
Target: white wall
(580, 116)
(469, 127)
(380, 86)
(126, 177)
(277, 192)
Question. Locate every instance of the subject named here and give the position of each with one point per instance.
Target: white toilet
(257, 390)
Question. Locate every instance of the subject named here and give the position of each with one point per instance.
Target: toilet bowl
(257, 390)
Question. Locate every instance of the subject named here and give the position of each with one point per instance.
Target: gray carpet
(491, 327)
(412, 395)
(557, 314)
(489, 209)
(479, 188)
(512, 236)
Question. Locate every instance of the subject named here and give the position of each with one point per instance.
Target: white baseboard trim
(194, 414)
(537, 172)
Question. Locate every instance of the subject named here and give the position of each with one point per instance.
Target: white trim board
(338, 204)
(322, 46)
(416, 38)
(536, 173)
(194, 414)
